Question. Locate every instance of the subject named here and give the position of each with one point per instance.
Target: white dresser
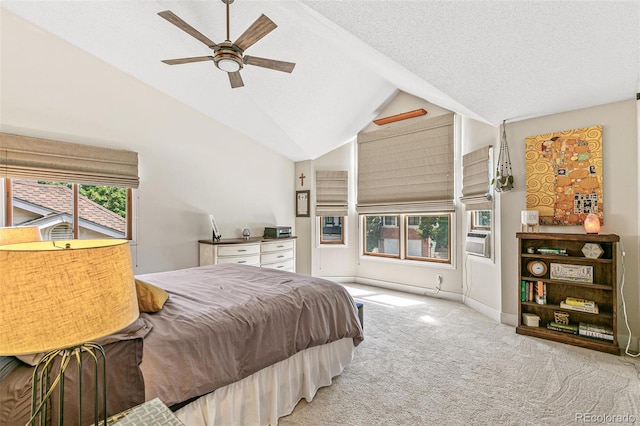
(277, 253)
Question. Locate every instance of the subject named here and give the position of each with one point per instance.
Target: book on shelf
(603, 329)
(533, 292)
(595, 334)
(549, 250)
(541, 293)
(565, 328)
(590, 309)
(574, 301)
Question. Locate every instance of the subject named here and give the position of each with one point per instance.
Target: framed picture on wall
(302, 203)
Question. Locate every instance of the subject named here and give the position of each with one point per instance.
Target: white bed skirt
(273, 392)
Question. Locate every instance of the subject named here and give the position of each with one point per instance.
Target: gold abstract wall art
(564, 175)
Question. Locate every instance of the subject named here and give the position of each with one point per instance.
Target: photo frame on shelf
(577, 273)
(303, 203)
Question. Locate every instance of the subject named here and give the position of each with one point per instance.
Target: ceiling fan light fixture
(228, 58)
(228, 64)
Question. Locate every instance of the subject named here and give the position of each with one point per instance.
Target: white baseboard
(423, 291)
(509, 319)
(482, 308)
(634, 345)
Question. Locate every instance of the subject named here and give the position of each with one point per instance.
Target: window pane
(332, 231)
(48, 205)
(102, 212)
(428, 238)
(382, 235)
(481, 219)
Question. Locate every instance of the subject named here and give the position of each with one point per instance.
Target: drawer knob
(242, 261)
(280, 256)
(242, 250)
(280, 266)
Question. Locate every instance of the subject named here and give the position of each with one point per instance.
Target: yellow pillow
(150, 297)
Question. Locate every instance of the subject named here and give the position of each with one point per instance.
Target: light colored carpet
(436, 362)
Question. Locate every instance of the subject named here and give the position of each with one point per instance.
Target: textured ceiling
(489, 60)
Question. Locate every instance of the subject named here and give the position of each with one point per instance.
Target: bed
(233, 344)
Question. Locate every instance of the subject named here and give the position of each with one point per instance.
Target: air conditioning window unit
(478, 244)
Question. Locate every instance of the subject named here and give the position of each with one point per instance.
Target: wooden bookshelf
(602, 289)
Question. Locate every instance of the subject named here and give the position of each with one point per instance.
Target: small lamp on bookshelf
(530, 221)
(592, 224)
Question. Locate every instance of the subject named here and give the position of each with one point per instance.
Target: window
(66, 188)
(67, 211)
(381, 236)
(332, 230)
(430, 238)
(424, 237)
(481, 220)
(390, 221)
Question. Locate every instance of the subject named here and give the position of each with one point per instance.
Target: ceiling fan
(228, 56)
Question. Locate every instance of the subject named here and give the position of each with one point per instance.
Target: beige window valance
(25, 157)
(476, 179)
(332, 193)
(407, 167)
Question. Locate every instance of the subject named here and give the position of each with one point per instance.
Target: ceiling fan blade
(178, 22)
(235, 79)
(260, 28)
(187, 60)
(269, 63)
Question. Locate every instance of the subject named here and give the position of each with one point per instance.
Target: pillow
(150, 297)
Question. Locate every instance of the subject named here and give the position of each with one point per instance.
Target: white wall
(481, 276)
(331, 261)
(190, 165)
(620, 180)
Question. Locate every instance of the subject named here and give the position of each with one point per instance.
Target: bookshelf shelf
(602, 290)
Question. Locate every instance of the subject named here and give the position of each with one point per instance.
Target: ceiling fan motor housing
(228, 57)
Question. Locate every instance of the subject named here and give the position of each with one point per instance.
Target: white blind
(407, 167)
(475, 179)
(332, 193)
(24, 157)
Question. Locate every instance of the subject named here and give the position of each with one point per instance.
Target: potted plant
(503, 181)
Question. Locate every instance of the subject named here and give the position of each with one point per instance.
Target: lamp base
(49, 374)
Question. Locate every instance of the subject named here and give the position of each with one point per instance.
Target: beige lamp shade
(58, 294)
(15, 235)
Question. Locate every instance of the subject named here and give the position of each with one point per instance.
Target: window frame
(364, 251)
(403, 242)
(8, 207)
(472, 223)
(448, 260)
(321, 224)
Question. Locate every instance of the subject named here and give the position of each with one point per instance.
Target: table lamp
(58, 296)
(15, 235)
(592, 224)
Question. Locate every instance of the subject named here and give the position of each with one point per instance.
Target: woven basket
(561, 317)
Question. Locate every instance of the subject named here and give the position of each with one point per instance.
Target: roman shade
(24, 157)
(407, 167)
(475, 179)
(332, 193)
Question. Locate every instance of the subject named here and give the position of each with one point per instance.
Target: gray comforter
(224, 322)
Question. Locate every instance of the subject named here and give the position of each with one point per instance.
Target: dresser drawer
(238, 250)
(287, 265)
(245, 260)
(278, 256)
(277, 246)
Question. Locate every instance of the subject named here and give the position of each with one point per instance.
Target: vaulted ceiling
(490, 60)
